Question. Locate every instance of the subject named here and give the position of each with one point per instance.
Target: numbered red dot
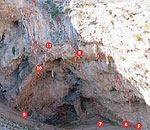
(48, 45)
(126, 124)
(39, 68)
(79, 52)
(100, 124)
(138, 125)
(24, 114)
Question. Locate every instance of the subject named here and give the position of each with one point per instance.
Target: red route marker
(97, 55)
(132, 104)
(100, 123)
(34, 2)
(83, 73)
(126, 124)
(79, 52)
(138, 126)
(121, 102)
(117, 80)
(24, 114)
(39, 68)
(58, 20)
(75, 58)
(48, 45)
(35, 42)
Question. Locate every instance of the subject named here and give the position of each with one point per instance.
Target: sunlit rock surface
(124, 30)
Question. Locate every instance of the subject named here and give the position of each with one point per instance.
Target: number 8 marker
(79, 52)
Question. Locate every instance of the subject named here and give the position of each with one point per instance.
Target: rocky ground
(6, 124)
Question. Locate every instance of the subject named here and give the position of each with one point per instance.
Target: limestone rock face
(110, 80)
(124, 31)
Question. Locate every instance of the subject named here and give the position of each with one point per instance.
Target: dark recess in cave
(65, 114)
(16, 23)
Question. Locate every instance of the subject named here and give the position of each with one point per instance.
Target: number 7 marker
(100, 123)
(24, 114)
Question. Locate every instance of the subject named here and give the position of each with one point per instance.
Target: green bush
(48, 2)
(54, 11)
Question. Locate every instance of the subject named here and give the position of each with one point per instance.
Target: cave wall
(113, 30)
